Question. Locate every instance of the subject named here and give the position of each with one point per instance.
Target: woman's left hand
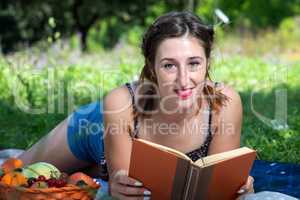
(247, 188)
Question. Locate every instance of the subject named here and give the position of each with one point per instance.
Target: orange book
(170, 174)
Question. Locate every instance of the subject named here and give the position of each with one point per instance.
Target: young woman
(174, 103)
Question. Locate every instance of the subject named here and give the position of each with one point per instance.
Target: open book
(170, 174)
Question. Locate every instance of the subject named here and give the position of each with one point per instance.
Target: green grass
(258, 79)
(21, 85)
(251, 76)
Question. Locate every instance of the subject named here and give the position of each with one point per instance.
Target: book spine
(182, 170)
(203, 183)
(191, 183)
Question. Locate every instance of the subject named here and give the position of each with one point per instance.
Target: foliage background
(55, 50)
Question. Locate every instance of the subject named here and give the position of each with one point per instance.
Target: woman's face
(180, 67)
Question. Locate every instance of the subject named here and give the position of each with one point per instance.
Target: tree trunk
(190, 5)
(83, 28)
(83, 40)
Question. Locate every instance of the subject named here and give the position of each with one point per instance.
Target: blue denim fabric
(85, 133)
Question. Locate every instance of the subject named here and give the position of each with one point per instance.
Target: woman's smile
(184, 93)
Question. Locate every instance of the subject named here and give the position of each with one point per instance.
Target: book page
(165, 148)
(215, 158)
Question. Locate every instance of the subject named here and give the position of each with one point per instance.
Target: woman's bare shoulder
(232, 94)
(118, 100)
(228, 90)
(232, 108)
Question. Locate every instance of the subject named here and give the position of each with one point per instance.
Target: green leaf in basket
(1, 172)
(81, 184)
(91, 191)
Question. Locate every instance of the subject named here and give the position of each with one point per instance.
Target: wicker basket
(69, 192)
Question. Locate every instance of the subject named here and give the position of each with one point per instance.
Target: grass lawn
(261, 81)
(254, 77)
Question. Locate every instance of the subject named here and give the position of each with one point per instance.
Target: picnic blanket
(9, 153)
(274, 176)
(268, 176)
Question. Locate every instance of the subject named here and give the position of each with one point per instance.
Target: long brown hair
(170, 25)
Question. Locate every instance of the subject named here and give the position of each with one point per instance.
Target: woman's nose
(183, 77)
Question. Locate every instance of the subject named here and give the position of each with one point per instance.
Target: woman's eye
(169, 66)
(194, 65)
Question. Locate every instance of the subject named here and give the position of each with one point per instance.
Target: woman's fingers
(124, 192)
(125, 180)
(122, 177)
(138, 191)
(249, 184)
(123, 197)
(124, 187)
(248, 187)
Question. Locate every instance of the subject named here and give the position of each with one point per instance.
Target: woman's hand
(125, 188)
(247, 188)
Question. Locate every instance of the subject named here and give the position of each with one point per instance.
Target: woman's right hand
(124, 187)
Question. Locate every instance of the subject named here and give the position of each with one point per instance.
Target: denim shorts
(85, 133)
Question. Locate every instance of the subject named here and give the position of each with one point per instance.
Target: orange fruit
(11, 164)
(14, 178)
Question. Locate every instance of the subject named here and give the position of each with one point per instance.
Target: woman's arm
(117, 143)
(117, 119)
(227, 123)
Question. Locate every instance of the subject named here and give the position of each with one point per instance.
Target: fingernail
(147, 198)
(137, 183)
(241, 191)
(147, 192)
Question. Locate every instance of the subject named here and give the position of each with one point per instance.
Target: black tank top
(200, 152)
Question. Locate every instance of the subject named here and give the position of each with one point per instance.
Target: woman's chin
(185, 105)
